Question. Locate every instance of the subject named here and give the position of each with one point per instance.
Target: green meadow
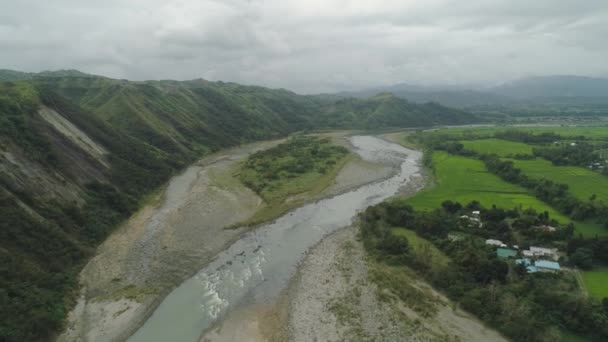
(596, 282)
(497, 146)
(465, 179)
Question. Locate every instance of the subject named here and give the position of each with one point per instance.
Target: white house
(493, 242)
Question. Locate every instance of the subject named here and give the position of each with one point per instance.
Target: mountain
(546, 91)
(78, 153)
(388, 110)
(447, 95)
(554, 87)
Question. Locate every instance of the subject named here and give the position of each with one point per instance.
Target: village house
(493, 242)
(506, 253)
(539, 265)
(541, 252)
(547, 266)
(547, 229)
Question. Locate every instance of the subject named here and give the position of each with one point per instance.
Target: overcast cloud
(308, 46)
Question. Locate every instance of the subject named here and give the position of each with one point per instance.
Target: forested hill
(79, 152)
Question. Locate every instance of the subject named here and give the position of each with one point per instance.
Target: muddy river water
(257, 267)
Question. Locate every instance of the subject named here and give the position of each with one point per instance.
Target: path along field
(464, 179)
(591, 132)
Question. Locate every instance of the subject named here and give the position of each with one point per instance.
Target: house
(547, 228)
(541, 252)
(547, 266)
(493, 242)
(544, 252)
(506, 253)
(528, 254)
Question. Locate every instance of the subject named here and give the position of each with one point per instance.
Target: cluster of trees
(580, 154)
(525, 307)
(587, 252)
(529, 138)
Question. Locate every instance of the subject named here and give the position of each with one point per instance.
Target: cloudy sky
(309, 46)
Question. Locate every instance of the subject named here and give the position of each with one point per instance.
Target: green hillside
(78, 153)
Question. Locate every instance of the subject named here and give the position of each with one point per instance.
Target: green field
(497, 146)
(570, 337)
(582, 182)
(418, 245)
(464, 179)
(596, 282)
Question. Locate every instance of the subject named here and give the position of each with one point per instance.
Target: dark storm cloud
(309, 46)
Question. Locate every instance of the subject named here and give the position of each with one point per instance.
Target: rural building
(541, 252)
(506, 253)
(547, 266)
(493, 242)
(547, 228)
(544, 252)
(530, 268)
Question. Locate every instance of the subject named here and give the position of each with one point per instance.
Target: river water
(258, 266)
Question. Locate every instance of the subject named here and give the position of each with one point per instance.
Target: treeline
(524, 307)
(555, 194)
(578, 154)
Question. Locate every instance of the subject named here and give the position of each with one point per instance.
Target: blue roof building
(528, 264)
(547, 266)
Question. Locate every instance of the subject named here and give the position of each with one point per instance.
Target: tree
(583, 258)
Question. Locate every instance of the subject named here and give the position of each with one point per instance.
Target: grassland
(465, 179)
(421, 246)
(596, 282)
(497, 146)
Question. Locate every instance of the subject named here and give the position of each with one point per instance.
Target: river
(257, 267)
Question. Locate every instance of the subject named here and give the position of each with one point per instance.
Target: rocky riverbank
(175, 236)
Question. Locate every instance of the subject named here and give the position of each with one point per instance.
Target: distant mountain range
(574, 90)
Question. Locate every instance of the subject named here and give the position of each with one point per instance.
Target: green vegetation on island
(302, 164)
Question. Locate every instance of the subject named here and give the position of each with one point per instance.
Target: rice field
(497, 146)
(582, 183)
(465, 179)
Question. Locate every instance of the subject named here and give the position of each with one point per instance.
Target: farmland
(497, 146)
(582, 183)
(464, 179)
